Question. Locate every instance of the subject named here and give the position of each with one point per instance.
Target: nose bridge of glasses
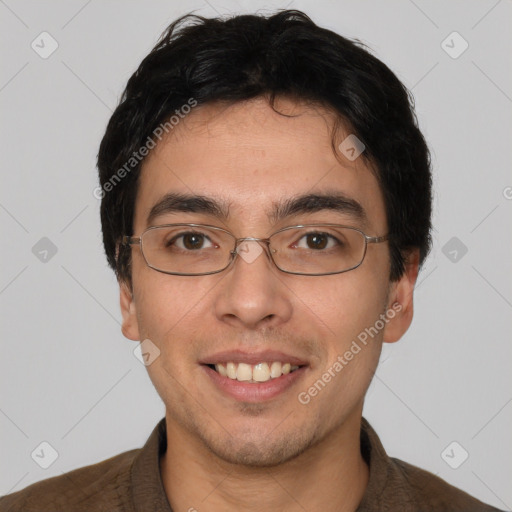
(251, 239)
(243, 244)
(250, 248)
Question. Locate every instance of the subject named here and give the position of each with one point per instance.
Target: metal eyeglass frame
(131, 240)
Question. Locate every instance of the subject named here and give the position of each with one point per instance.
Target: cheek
(169, 314)
(342, 306)
(342, 310)
(167, 305)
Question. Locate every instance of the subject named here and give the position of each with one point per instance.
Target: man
(266, 204)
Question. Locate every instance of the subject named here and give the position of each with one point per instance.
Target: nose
(252, 295)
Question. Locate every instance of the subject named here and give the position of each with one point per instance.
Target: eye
(190, 241)
(316, 241)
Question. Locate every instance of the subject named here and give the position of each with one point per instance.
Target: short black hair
(284, 54)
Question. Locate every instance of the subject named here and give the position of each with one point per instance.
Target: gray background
(68, 377)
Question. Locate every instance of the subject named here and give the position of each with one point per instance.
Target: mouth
(253, 377)
(253, 373)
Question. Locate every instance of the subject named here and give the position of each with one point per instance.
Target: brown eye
(190, 241)
(193, 241)
(316, 241)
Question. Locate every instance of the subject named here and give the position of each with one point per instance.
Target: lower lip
(254, 391)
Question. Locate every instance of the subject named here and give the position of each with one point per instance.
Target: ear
(401, 299)
(130, 325)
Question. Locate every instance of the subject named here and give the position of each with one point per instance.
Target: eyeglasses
(198, 249)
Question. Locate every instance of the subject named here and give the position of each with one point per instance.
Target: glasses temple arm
(377, 239)
(130, 240)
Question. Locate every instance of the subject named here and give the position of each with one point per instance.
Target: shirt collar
(147, 485)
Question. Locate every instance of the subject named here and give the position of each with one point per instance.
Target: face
(248, 159)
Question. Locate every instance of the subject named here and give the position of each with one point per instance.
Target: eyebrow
(303, 204)
(311, 203)
(175, 202)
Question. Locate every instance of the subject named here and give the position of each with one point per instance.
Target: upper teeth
(260, 372)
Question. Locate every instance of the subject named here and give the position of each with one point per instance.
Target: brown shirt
(131, 482)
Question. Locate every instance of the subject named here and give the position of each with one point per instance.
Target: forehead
(249, 158)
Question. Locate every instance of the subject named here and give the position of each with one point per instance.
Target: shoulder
(396, 485)
(101, 486)
(429, 492)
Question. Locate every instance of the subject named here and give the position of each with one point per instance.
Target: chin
(264, 452)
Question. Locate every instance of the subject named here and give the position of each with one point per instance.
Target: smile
(260, 372)
(254, 376)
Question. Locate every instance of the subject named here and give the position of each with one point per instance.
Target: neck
(329, 476)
